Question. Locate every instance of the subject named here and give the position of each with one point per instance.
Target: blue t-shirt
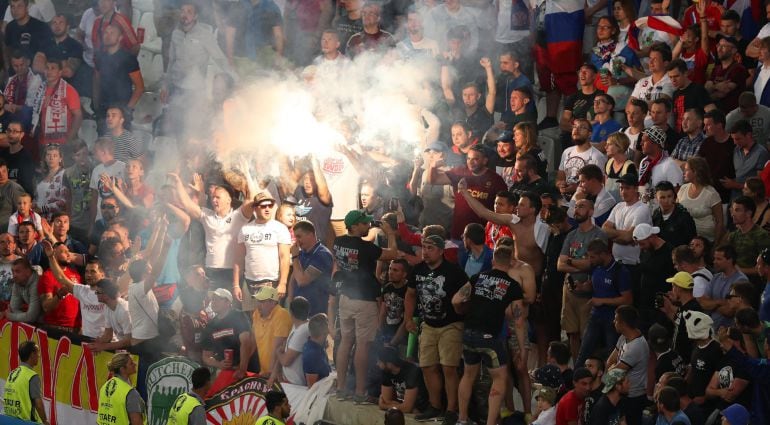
(601, 131)
(604, 287)
(314, 360)
(316, 292)
(764, 304)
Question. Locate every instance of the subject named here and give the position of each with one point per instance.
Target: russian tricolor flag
(750, 12)
(564, 23)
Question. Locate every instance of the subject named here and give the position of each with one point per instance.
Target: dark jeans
(634, 408)
(599, 330)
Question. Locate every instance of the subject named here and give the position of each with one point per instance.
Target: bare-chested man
(529, 233)
(524, 274)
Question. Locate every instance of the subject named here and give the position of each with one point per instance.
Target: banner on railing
(71, 374)
(166, 379)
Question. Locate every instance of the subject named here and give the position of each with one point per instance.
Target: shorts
(442, 345)
(486, 349)
(565, 82)
(359, 318)
(574, 313)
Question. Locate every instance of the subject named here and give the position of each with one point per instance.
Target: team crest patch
(166, 380)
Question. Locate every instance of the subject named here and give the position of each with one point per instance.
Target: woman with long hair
(755, 189)
(525, 140)
(611, 56)
(624, 12)
(700, 198)
(52, 194)
(618, 163)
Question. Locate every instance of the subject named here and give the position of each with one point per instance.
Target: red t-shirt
(483, 187)
(736, 73)
(72, 99)
(67, 313)
(494, 232)
(696, 65)
(569, 409)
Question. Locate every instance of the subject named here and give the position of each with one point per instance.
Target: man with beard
(482, 183)
(607, 411)
(574, 261)
(728, 79)
(580, 105)
(91, 310)
(61, 309)
(21, 166)
(527, 177)
(510, 78)
(591, 187)
(431, 286)
(506, 157)
(576, 157)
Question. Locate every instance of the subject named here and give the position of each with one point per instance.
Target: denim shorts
(480, 347)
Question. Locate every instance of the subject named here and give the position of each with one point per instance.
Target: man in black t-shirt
(688, 95)
(667, 359)
(229, 330)
(431, 286)
(117, 78)
(676, 305)
(486, 299)
(25, 32)
(707, 356)
(70, 51)
(358, 292)
(581, 104)
(402, 385)
(21, 166)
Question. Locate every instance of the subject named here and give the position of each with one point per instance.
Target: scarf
(16, 90)
(55, 123)
(605, 49)
(646, 166)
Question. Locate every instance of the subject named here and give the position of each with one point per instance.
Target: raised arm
(491, 89)
(56, 269)
(322, 187)
(193, 209)
(484, 212)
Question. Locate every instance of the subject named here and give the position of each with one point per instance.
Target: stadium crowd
(590, 235)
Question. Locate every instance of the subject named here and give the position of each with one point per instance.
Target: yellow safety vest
(112, 403)
(180, 411)
(268, 420)
(16, 398)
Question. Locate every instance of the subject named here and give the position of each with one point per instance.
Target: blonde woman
(618, 163)
(118, 399)
(525, 140)
(700, 198)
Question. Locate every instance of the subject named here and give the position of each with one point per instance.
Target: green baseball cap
(357, 216)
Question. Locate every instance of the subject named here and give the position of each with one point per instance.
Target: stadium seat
(146, 111)
(151, 40)
(135, 18)
(151, 65)
(87, 132)
(143, 5)
(548, 146)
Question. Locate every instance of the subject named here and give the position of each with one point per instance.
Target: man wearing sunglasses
(262, 253)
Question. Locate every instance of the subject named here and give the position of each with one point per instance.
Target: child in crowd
(24, 213)
(546, 406)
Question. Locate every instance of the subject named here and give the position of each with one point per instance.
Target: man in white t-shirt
(262, 252)
(117, 332)
(91, 309)
(656, 166)
(575, 157)
(626, 215)
(658, 84)
(290, 356)
(221, 226)
(142, 304)
(342, 178)
(104, 152)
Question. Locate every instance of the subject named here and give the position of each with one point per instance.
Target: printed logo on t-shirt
(223, 333)
(394, 308)
(258, 237)
(347, 258)
(431, 293)
(490, 287)
(333, 166)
